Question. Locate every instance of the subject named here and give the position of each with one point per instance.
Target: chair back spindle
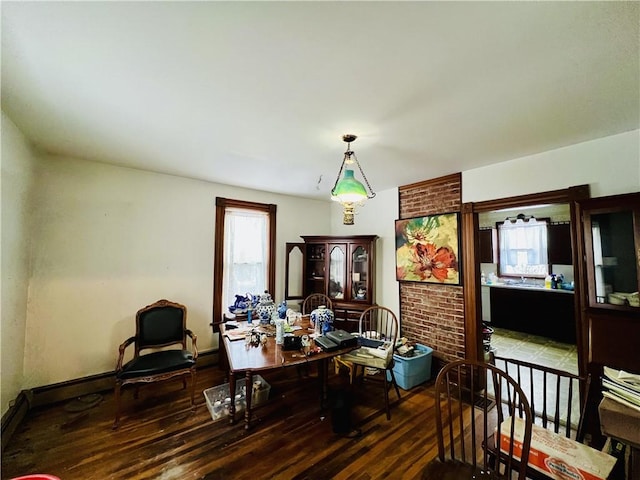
(376, 323)
(468, 417)
(313, 301)
(554, 395)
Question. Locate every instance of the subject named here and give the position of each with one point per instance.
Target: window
(244, 259)
(522, 247)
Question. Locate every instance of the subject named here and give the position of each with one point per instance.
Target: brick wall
(431, 314)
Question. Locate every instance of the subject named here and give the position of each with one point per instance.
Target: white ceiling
(259, 94)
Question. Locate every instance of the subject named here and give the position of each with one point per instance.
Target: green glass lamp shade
(349, 189)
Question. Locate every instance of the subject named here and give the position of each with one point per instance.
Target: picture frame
(428, 249)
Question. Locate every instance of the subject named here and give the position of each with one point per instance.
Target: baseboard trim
(207, 359)
(102, 382)
(12, 418)
(60, 392)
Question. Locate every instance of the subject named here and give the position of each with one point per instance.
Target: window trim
(547, 220)
(218, 258)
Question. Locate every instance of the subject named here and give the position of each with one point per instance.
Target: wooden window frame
(222, 204)
(547, 222)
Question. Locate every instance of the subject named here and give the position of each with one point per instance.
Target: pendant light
(521, 219)
(348, 190)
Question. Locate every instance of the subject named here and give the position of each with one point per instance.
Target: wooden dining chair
(314, 300)
(310, 303)
(377, 324)
(554, 397)
(467, 415)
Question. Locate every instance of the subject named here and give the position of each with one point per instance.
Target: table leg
(323, 366)
(232, 395)
(223, 363)
(249, 396)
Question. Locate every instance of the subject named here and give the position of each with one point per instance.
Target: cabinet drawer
(348, 325)
(348, 318)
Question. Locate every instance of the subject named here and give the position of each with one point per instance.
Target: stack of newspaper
(621, 386)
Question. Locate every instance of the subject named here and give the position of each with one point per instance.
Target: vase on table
(265, 308)
(322, 319)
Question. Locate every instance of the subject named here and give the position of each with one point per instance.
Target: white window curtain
(246, 253)
(523, 248)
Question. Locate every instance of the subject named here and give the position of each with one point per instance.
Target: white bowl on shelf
(616, 299)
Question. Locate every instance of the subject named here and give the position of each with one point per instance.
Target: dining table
(247, 356)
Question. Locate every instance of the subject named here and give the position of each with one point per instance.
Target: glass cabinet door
(315, 268)
(337, 271)
(359, 273)
(613, 257)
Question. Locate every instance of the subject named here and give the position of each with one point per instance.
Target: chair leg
(348, 365)
(193, 389)
(354, 373)
(395, 384)
(386, 395)
(116, 422)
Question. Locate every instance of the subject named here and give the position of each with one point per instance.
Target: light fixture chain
(373, 194)
(339, 173)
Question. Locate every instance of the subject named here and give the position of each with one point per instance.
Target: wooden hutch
(343, 268)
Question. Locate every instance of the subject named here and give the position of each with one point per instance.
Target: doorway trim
(471, 263)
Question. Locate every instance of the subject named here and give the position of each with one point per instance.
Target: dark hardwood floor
(161, 438)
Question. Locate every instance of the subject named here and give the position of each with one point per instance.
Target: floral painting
(427, 249)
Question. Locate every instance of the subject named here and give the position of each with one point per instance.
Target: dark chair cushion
(157, 363)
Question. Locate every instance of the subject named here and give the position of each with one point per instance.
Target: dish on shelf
(615, 299)
(620, 298)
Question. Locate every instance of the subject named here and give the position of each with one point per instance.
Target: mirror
(336, 273)
(294, 281)
(359, 274)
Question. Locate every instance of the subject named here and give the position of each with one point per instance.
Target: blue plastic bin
(412, 371)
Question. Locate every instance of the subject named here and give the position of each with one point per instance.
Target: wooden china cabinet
(609, 243)
(343, 268)
(609, 264)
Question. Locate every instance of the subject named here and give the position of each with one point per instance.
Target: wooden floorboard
(292, 438)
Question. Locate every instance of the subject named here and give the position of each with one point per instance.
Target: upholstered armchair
(160, 350)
